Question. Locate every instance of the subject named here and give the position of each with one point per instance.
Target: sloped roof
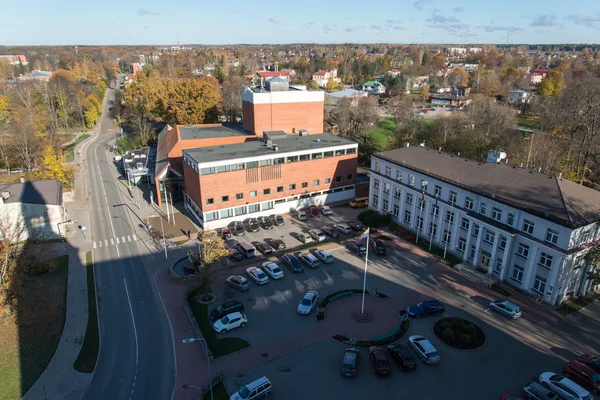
(269, 74)
(552, 198)
(47, 192)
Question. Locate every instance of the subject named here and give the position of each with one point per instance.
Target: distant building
(332, 98)
(322, 77)
(265, 76)
(135, 165)
(373, 87)
(518, 96)
(455, 50)
(449, 100)
(134, 68)
(537, 75)
(37, 75)
(14, 60)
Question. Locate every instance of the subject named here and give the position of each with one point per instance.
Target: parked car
(317, 235)
(378, 246)
(326, 210)
(583, 375)
(293, 263)
(590, 361)
(225, 233)
(357, 247)
(304, 237)
(258, 389)
(350, 361)
(226, 308)
(253, 225)
(257, 275)
(381, 363)
(277, 220)
(238, 228)
(230, 321)
(510, 396)
(308, 302)
(343, 228)
(324, 256)
(264, 248)
(356, 226)
(235, 255)
(506, 308)
(277, 244)
(265, 223)
(238, 282)
(536, 391)
(309, 260)
(564, 387)
(314, 212)
(273, 270)
(330, 232)
(301, 215)
(425, 308)
(425, 350)
(402, 356)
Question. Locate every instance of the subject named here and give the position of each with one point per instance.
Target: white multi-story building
(520, 226)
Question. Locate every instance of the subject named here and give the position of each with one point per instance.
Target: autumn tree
(552, 84)
(312, 85)
(141, 102)
(53, 167)
(190, 101)
(424, 93)
(458, 77)
(232, 98)
(212, 251)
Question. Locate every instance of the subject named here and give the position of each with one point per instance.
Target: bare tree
(232, 98)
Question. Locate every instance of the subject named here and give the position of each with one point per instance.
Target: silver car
(506, 308)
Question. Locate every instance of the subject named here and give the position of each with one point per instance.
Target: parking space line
(100, 243)
(117, 240)
(106, 242)
(123, 239)
(112, 241)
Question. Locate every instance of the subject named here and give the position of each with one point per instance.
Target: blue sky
(84, 22)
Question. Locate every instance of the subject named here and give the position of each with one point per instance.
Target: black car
(426, 308)
(356, 226)
(263, 248)
(277, 220)
(330, 232)
(357, 247)
(402, 356)
(238, 228)
(226, 308)
(265, 223)
(236, 255)
(293, 262)
(278, 244)
(378, 246)
(253, 225)
(350, 362)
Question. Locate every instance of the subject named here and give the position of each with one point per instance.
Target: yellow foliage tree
(53, 167)
(552, 84)
(424, 93)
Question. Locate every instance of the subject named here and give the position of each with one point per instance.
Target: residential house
(14, 59)
(324, 76)
(449, 100)
(134, 68)
(37, 75)
(518, 96)
(332, 98)
(373, 87)
(537, 75)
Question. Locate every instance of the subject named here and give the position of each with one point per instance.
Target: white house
(373, 87)
(519, 226)
(518, 96)
(31, 210)
(322, 77)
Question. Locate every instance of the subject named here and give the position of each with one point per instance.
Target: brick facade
(283, 116)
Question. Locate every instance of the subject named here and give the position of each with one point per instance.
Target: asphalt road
(136, 359)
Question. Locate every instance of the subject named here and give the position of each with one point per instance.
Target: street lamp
(205, 347)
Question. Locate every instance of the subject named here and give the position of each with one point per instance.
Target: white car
(273, 270)
(344, 228)
(257, 275)
(308, 302)
(424, 349)
(309, 260)
(301, 215)
(326, 210)
(230, 321)
(317, 235)
(324, 256)
(564, 387)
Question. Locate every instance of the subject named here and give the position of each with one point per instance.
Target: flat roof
(291, 143)
(191, 132)
(549, 197)
(47, 192)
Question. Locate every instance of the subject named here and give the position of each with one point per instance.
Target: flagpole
(362, 307)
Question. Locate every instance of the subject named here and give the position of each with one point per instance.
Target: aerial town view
(204, 202)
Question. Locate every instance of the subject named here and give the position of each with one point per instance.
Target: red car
(226, 233)
(314, 212)
(584, 375)
(590, 361)
(381, 362)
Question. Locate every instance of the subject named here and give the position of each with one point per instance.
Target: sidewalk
(60, 380)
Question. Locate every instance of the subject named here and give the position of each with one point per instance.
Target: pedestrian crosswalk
(115, 241)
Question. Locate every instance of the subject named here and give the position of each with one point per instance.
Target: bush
(373, 219)
(465, 340)
(448, 335)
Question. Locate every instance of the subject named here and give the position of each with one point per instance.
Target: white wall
(36, 221)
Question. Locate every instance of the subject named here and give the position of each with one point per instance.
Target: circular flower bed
(459, 333)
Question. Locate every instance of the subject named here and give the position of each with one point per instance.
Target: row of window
(272, 161)
(279, 189)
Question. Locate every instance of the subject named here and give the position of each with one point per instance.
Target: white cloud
(145, 12)
(495, 28)
(420, 4)
(585, 20)
(544, 20)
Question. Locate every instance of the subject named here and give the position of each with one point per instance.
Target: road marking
(123, 239)
(489, 311)
(106, 242)
(135, 237)
(94, 244)
(136, 339)
(106, 204)
(112, 241)
(117, 240)
(128, 238)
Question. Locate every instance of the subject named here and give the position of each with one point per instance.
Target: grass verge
(577, 304)
(382, 132)
(528, 122)
(68, 153)
(218, 346)
(29, 340)
(88, 354)
(219, 393)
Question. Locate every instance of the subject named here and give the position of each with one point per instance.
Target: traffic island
(459, 334)
(393, 336)
(320, 315)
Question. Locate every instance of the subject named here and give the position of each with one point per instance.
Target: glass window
(377, 167)
(546, 260)
(253, 208)
(264, 163)
(517, 274)
(338, 178)
(502, 243)
(464, 224)
(327, 181)
(475, 230)
(446, 237)
(234, 167)
(207, 171)
(293, 186)
(528, 226)
(409, 198)
(253, 193)
(496, 214)
(266, 192)
(278, 160)
(411, 180)
(227, 213)
(375, 200)
(452, 197)
(386, 187)
(224, 199)
(388, 170)
(472, 253)
(316, 182)
(424, 184)
(385, 205)
(349, 177)
(510, 220)
(398, 175)
(292, 159)
(407, 216)
(551, 236)
(252, 164)
(489, 237)
(223, 168)
(397, 192)
(279, 189)
(328, 154)
(585, 237)
(316, 156)
(540, 284)
(435, 211)
(498, 266)
(450, 217)
(438, 191)
(210, 201)
(304, 185)
(419, 223)
(432, 229)
(304, 157)
(469, 203)
(351, 150)
(462, 245)
(396, 210)
(482, 208)
(211, 216)
(376, 183)
(240, 210)
(239, 196)
(267, 205)
(523, 250)
(340, 152)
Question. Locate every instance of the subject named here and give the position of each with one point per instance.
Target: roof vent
(232, 154)
(275, 147)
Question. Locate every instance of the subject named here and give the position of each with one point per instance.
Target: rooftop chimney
(303, 132)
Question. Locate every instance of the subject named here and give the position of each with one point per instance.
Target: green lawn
(427, 122)
(88, 354)
(382, 132)
(68, 152)
(528, 122)
(29, 340)
(219, 346)
(219, 393)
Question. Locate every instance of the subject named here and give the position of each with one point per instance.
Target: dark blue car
(426, 308)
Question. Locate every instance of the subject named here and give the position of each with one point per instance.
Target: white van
(246, 249)
(258, 389)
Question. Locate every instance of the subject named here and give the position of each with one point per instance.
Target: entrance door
(484, 262)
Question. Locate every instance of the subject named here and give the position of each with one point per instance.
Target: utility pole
(529, 153)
